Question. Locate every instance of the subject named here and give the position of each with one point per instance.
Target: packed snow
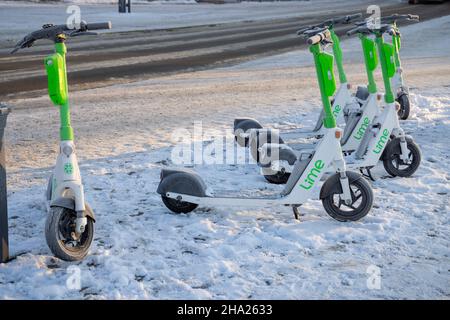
(143, 251)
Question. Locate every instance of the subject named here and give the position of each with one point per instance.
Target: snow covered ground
(142, 251)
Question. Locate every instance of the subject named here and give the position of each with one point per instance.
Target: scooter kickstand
(297, 213)
(368, 174)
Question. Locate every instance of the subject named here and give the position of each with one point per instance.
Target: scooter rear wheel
(61, 238)
(177, 206)
(405, 107)
(362, 200)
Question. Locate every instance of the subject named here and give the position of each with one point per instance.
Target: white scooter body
(370, 109)
(383, 127)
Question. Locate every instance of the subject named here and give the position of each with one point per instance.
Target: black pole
(4, 244)
(122, 6)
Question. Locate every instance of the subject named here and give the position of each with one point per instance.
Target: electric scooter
(381, 138)
(69, 228)
(248, 134)
(345, 195)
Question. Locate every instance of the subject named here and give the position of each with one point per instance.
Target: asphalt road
(130, 56)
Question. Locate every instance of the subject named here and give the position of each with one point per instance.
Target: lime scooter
(272, 157)
(279, 163)
(345, 195)
(342, 102)
(69, 228)
(357, 119)
(398, 86)
(378, 132)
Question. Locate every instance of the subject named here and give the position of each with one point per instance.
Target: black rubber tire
(405, 106)
(278, 178)
(53, 234)
(391, 154)
(178, 206)
(358, 212)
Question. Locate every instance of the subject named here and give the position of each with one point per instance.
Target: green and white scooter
(250, 133)
(380, 138)
(69, 229)
(345, 195)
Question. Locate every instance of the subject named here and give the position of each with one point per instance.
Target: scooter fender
(183, 182)
(69, 203)
(333, 185)
(243, 125)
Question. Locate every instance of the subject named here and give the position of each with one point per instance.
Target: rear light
(338, 134)
(349, 86)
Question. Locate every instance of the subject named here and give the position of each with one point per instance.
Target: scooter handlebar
(99, 26)
(394, 17)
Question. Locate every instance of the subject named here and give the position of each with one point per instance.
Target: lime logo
(382, 142)
(68, 168)
(312, 175)
(336, 110)
(362, 129)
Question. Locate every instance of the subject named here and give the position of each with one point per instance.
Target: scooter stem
(370, 61)
(66, 130)
(329, 121)
(388, 95)
(337, 52)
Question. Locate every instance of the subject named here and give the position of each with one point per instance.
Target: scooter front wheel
(361, 202)
(62, 238)
(405, 107)
(177, 206)
(394, 165)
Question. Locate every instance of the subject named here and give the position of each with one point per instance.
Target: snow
(141, 251)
